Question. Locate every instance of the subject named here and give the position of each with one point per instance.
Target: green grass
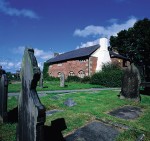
(54, 85)
(90, 106)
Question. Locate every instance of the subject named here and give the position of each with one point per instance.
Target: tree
(45, 71)
(134, 43)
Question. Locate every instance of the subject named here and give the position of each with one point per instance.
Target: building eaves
(115, 55)
(78, 53)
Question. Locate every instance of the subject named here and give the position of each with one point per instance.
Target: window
(59, 74)
(71, 73)
(50, 74)
(83, 60)
(81, 73)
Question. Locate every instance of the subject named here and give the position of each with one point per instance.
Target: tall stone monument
(41, 81)
(131, 83)
(31, 113)
(3, 95)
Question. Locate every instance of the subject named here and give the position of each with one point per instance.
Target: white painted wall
(102, 54)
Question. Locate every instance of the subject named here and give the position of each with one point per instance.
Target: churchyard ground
(89, 106)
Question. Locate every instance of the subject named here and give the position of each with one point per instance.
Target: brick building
(83, 61)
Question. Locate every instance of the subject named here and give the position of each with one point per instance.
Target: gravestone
(70, 102)
(41, 81)
(31, 113)
(62, 80)
(131, 83)
(94, 131)
(127, 112)
(3, 95)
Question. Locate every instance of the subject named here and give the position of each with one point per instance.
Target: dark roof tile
(81, 52)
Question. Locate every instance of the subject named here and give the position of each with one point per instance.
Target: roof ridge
(77, 53)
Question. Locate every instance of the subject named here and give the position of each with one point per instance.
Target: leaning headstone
(62, 80)
(70, 102)
(3, 96)
(131, 83)
(31, 113)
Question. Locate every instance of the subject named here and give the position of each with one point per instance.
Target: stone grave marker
(131, 83)
(70, 102)
(3, 96)
(31, 113)
(127, 112)
(94, 131)
(62, 80)
(41, 81)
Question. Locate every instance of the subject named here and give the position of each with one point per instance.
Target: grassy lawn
(54, 85)
(90, 106)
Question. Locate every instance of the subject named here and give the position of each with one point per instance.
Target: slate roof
(78, 53)
(115, 55)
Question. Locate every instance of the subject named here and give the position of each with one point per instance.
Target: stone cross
(62, 80)
(3, 96)
(31, 113)
(131, 83)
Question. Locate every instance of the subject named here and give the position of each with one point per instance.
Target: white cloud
(13, 65)
(87, 44)
(105, 31)
(5, 8)
(7, 65)
(42, 54)
(40, 65)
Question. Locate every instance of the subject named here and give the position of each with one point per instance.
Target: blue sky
(50, 26)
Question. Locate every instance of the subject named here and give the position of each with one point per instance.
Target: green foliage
(85, 79)
(55, 85)
(134, 42)
(51, 78)
(45, 71)
(110, 76)
(73, 79)
(14, 77)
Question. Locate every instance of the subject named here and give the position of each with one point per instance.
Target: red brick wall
(119, 62)
(74, 66)
(93, 64)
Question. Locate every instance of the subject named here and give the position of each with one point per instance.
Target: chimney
(103, 44)
(56, 54)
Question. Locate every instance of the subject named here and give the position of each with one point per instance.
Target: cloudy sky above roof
(61, 25)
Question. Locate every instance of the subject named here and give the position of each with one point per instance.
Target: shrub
(110, 76)
(51, 78)
(86, 79)
(73, 79)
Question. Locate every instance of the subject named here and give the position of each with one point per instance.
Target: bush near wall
(85, 79)
(73, 79)
(110, 76)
